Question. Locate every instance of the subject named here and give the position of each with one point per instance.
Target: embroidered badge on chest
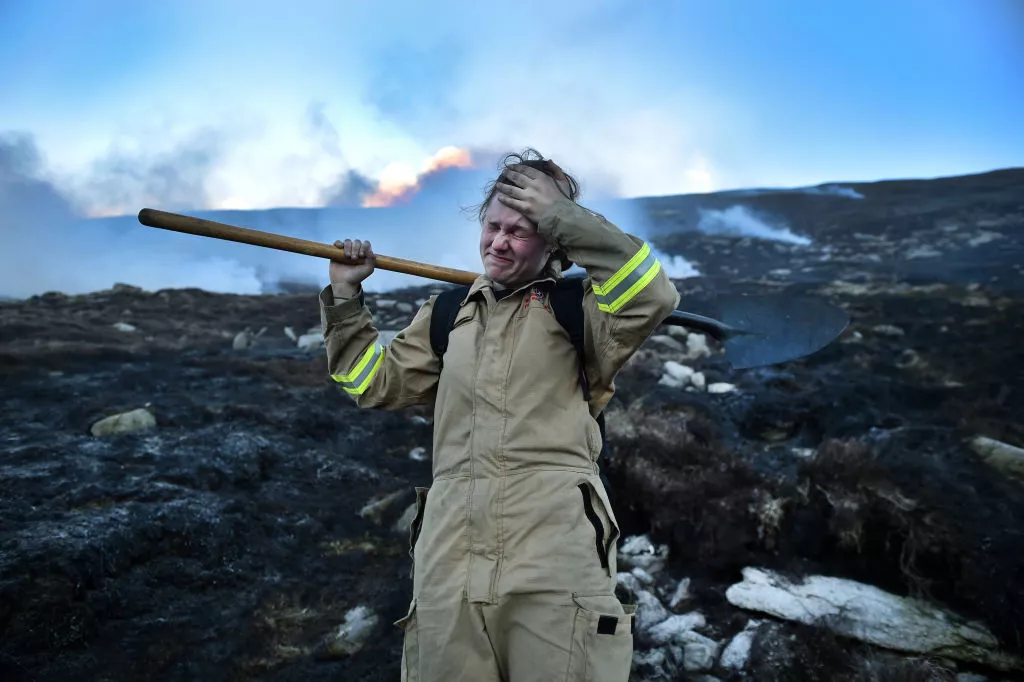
(539, 295)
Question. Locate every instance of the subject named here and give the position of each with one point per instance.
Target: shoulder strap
(567, 304)
(442, 318)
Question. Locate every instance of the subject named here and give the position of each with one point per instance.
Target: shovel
(754, 331)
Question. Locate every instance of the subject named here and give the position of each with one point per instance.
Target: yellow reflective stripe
(359, 378)
(624, 272)
(628, 281)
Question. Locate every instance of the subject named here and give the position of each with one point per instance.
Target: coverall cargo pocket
(602, 640)
(606, 529)
(410, 645)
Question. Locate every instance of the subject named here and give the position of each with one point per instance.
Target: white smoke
(740, 221)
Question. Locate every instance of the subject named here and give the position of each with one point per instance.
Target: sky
(222, 104)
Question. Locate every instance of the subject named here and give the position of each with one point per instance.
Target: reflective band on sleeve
(359, 378)
(628, 281)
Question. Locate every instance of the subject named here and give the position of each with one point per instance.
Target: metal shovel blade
(756, 331)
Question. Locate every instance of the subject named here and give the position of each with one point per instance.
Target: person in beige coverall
(514, 543)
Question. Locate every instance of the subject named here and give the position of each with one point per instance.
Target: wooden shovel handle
(244, 235)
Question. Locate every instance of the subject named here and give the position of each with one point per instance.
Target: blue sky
(251, 104)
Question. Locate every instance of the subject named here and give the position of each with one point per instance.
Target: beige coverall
(514, 546)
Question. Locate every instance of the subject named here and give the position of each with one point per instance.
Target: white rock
(677, 331)
(868, 614)
(673, 628)
(649, 611)
(242, 340)
(385, 303)
(419, 454)
(405, 308)
(386, 336)
(353, 633)
(669, 342)
(645, 578)
(638, 550)
(628, 581)
(699, 655)
(420, 302)
(133, 420)
(721, 387)
(290, 333)
(310, 341)
(124, 327)
(970, 677)
(404, 523)
(1003, 456)
(375, 508)
(698, 381)
(697, 346)
(736, 653)
(420, 420)
(681, 594)
(676, 374)
(888, 330)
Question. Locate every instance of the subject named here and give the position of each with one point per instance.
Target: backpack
(566, 299)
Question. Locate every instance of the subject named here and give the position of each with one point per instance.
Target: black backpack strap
(442, 318)
(567, 304)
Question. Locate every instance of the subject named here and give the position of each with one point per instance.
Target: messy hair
(534, 159)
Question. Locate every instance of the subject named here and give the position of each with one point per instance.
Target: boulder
(133, 420)
(351, 635)
(871, 615)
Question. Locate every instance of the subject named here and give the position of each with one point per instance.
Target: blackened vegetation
(227, 542)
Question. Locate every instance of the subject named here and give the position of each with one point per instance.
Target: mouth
(500, 259)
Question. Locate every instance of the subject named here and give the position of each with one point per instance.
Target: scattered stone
(1002, 456)
(643, 576)
(697, 346)
(352, 634)
(404, 522)
(637, 550)
(419, 454)
(676, 375)
(678, 332)
(984, 237)
(649, 611)
(673, 628)
(375, 508)
(420, 302)
(721, 387)
(421, 421)
(405, 308)
(124, 327)
(290, 333)
(923, 251)
(736, 653)
(310, 341)
(246, 339)
(888, 330)
(682, 594)
(669, 342)
(699, 655)
(868, 614)
(385, 303)
(698, 381)
(124, 422)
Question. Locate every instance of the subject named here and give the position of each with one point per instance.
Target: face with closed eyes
(512, 250)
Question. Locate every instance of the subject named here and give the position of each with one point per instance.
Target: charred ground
(230, 540)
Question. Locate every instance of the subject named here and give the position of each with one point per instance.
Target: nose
(500, 242)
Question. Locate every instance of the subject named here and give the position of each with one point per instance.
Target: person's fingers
(517, 178)
(514, 204)
(348, 249)
(512, 191)
(523, 169)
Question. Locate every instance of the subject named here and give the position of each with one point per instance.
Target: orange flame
(399, 182)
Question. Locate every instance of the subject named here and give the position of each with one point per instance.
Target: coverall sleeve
(628, 294)
(391, 377)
